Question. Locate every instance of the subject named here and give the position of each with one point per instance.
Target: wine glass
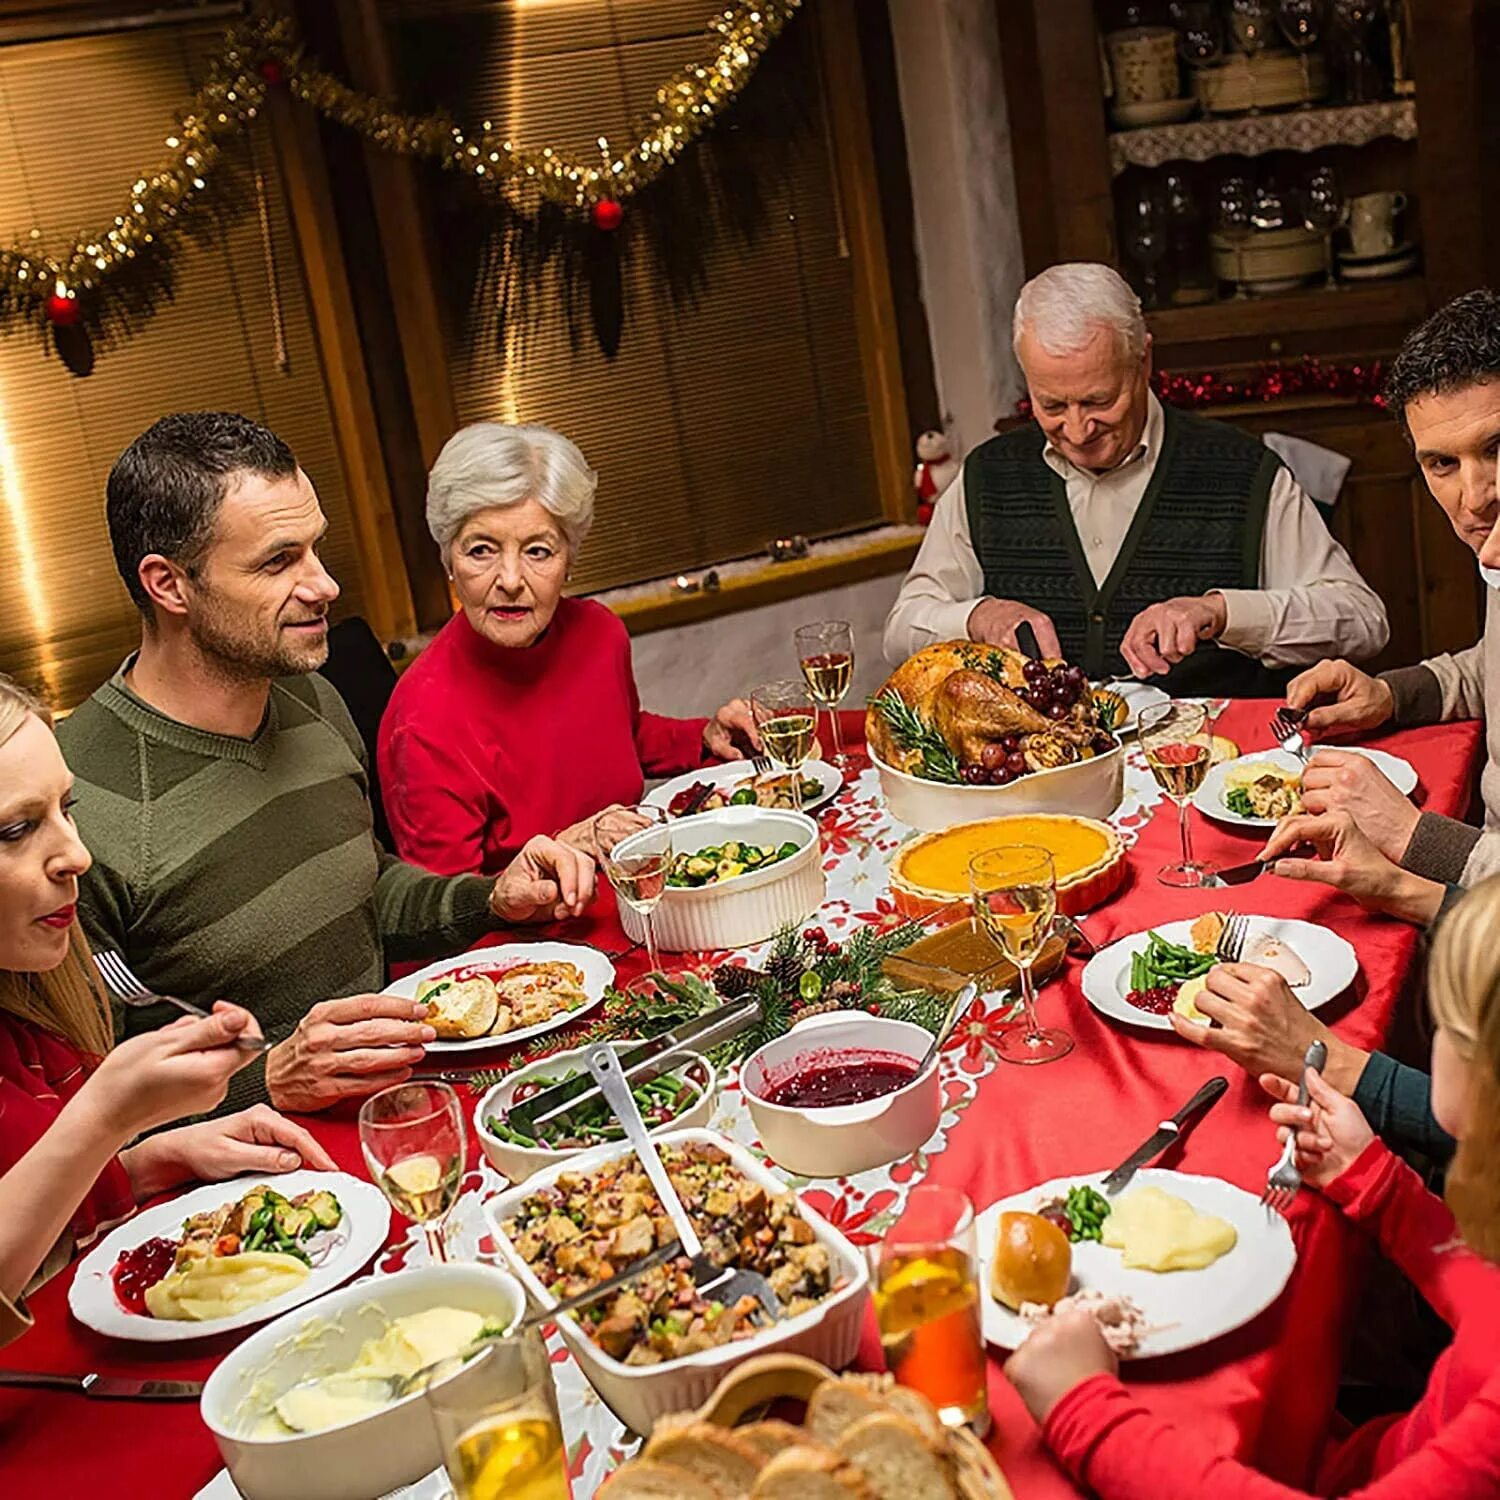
(1144, 237)
(1236, 203)
(1252, 23)
(413, 1140)
(635, 848)
(787, 719)
(1015, 899)
(826, 653)
(1176, 741)
(498, 1425)
(1324, 208)
(1301, 23)
(1356, 19)
(1200, 32)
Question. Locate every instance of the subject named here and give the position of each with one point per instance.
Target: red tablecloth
(1264, 1393)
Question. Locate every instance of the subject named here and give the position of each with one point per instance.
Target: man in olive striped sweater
(222, 787)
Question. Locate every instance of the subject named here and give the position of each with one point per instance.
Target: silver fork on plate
(761, 764)
(1284, 1181)
(1231, 942)
(1287, 731)
(121, 982)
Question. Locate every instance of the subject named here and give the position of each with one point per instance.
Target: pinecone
(786, 969)
(734, 980)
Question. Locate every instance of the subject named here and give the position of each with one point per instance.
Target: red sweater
(1446, 1448)
(485, 746)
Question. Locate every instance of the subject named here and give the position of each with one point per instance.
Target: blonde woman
(1448, 1446)
(69, 1102)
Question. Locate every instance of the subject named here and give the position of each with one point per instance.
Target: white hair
(492, 463)
(1066, 305)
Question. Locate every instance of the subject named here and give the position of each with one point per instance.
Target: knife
(1167, 1132)
(1242, 874)
(107, 1387)
(1026, 640)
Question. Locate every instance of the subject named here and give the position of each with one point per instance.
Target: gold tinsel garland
(172, 200)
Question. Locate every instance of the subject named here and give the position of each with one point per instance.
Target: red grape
(1016, 764)
(999, 776)
(992, 755)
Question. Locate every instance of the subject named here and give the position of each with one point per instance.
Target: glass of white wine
(786, 718)
(1015, 900)
(826, 653)
(636, 852)
(414, 1142)
(498, 1425)
(1175, 738)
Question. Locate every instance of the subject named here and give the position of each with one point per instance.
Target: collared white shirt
(1311, 602)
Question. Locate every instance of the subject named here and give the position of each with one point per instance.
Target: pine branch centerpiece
(806, 973)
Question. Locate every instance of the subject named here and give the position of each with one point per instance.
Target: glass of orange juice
(927, 1304)
(497, 1422)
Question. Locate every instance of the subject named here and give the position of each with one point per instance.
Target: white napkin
(1320, 471)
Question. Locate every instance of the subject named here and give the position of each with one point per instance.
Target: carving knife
(1026, 640)
(1167, 1132)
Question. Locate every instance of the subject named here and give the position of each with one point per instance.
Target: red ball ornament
(63, 311)
(272, 73)
(607, 214)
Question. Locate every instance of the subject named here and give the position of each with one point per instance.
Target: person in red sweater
(1448, 1446)
(522, 716)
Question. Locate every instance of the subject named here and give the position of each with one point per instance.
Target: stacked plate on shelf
(1270, 260)
(1269, 80)
(1381, 266)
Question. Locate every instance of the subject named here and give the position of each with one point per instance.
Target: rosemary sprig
(912, 732)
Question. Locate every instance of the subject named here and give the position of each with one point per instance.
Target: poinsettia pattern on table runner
(859, 839)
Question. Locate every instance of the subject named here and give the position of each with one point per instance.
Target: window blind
(78, 120)
(719, 426)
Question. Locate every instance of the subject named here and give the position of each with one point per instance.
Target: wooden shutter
(718, 426)
(78, 120)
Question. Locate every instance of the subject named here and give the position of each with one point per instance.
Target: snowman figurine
(936, 470)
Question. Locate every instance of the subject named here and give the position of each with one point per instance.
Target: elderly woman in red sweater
(1448, 1446)
(522, 716)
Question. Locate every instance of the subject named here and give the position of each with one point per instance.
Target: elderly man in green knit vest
(222, 789)
(1133, 538)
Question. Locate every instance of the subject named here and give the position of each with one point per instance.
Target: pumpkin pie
(932, 871)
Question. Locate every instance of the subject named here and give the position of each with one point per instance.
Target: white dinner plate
(1183, 1308)
(1209, 798)
(1138, 696)
(1106, 976)
(598, 975)
(828, 777)
(337, 1255)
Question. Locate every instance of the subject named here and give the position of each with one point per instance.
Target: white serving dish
(847, 1138)
(1209, 798)
(1183, 1308)
(639, 1394)
(598, 974)
(375, 1454)
(747, 909)
(1088, 789)
(517, 1163)
(340, 1254)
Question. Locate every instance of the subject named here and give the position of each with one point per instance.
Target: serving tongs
(727, 1283)
(641, 1064)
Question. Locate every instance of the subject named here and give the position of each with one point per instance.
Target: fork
(1231, 942)
(121, 982)
(761, 764)
(1284, 1180)
(1286, 730)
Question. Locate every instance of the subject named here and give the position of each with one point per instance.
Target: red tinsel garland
(1272, 382)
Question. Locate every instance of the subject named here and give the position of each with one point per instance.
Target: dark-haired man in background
(1444, 386)
(222, 788)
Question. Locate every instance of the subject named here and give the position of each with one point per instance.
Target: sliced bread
(837, 1405)
(713, 1454)
(896, 1460)
(460, 1009)
(646, 1479)
(772, 1436)
(912, 1405)
(810, 1473)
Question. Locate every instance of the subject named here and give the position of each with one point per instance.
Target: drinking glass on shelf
(787, 719)
(1232, 211)
(927, 1304)
(1252, 24)
(826, 653)
(1200, 32)
(1175, 739)
(497, 1422)
(1325, 209)
(1015, 899)
(1143, 237)
(635, 848)
(413, 1140)
(1301, 23)
(1356, 19)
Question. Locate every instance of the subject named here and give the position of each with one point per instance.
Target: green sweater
(248, 870)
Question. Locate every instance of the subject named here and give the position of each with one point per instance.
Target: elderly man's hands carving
(995, 621)
(1167, 633)
(1358, 703)
(1341, 781)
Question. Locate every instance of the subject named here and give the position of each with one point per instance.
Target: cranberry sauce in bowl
(827, 1079)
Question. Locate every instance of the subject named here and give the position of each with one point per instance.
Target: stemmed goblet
(786, 717)
(1301, 23)
(1324, 209)
(1176, 741)
(1252, 23)
(1235, 205)
(1144, 237)
(635, 848)
(825, 652)
(413, 1140)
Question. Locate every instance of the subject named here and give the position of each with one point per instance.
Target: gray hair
(1067, 304)
(493, 463)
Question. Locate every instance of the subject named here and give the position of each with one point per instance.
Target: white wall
(692, 669)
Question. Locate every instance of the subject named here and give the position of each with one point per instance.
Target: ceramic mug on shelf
(1372, 222)
(1143, 60)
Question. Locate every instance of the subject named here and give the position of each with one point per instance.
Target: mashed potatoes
(1186, 1003)
(220, 1286)
(1157, 1231)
